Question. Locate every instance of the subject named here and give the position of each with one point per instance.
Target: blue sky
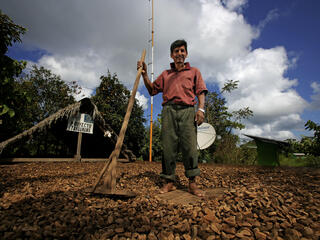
(295, 27)
(270, 46)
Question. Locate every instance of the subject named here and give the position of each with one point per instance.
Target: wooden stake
(78, 155)
(109, 170)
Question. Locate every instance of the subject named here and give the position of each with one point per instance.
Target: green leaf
(5, 109)
(11, 112)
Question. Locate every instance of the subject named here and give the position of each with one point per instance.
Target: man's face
(179, 54)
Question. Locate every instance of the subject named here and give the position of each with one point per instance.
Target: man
(180, 86)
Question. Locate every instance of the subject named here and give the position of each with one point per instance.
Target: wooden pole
(78, 155)
(152, 77)
(109, 169)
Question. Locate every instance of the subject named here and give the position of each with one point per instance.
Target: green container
(268, 150)
(268, 153)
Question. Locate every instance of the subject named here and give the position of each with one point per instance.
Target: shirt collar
(186, 66)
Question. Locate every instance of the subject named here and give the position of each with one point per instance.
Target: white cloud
(272, 15)
(316, 87)
(234, 5)
(85, 93)
(264, 89)
(262, 85)
(86, 69)
(224, 33)
(142, 100)
(315, 104)
(280, 128)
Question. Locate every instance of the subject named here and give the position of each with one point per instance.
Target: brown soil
(49, 201)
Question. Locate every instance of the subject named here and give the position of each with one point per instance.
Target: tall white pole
(152, 75)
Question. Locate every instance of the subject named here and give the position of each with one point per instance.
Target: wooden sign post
(77, 157)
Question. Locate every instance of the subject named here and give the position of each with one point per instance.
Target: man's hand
(145, 77)
(199, 117)
(143, 65)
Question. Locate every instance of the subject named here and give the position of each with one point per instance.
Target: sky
(271, 47)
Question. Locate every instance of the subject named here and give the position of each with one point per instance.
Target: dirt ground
(49, 201)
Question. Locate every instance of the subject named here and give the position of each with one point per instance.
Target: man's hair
(178, 43)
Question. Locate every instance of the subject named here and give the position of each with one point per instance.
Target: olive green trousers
(179, 132)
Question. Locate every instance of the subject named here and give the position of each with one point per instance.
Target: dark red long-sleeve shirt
(181, 87)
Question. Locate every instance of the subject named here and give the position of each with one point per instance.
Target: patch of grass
(304, 161)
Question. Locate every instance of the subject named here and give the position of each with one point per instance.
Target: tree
(112, 100)
(156, 142)
(307, 145)
(9, 69)
(224, 150)
(314, 149)
(49, 94)
(248, 153)
(217, 112)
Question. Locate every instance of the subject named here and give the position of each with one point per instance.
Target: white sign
(80, 123)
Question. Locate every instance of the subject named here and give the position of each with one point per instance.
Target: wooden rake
(108, 186)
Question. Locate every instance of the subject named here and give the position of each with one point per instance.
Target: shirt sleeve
(158, 85)
(200, 86)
